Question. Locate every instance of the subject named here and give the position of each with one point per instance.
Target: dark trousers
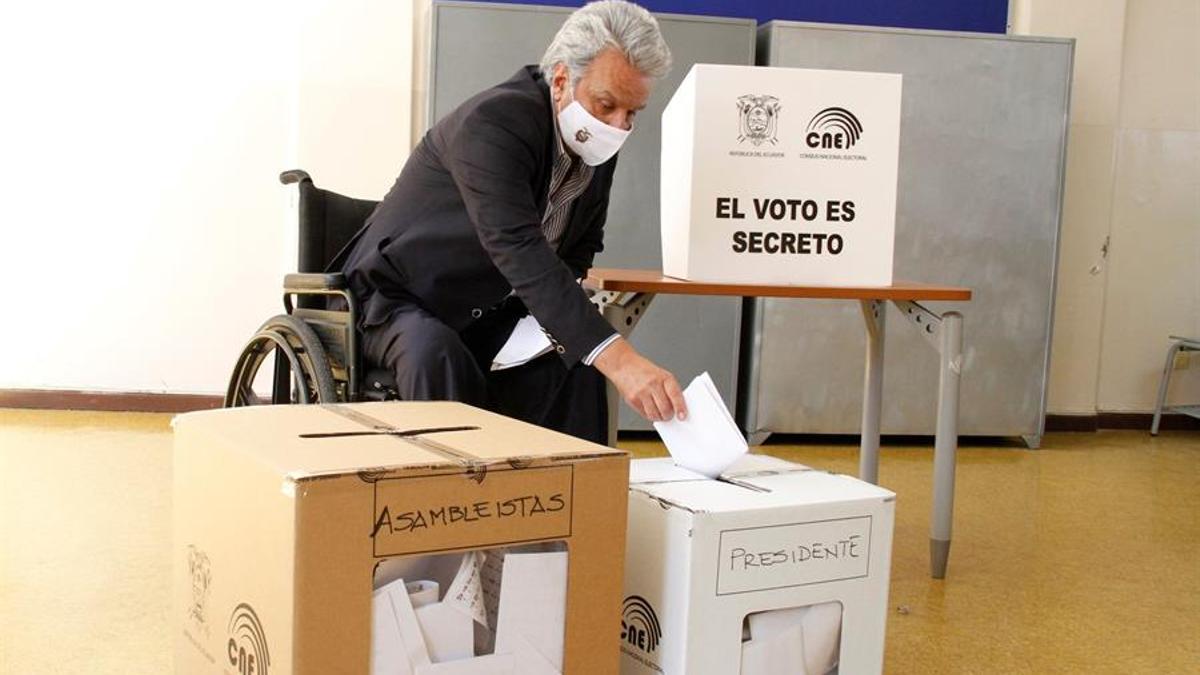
(433, 362)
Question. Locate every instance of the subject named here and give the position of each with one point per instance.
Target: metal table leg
(623, 311)
(946, 443)
(945, 334)
(868, 455)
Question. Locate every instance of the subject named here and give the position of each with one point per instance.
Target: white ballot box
(404, 538)
(780, 176)
(771, 569)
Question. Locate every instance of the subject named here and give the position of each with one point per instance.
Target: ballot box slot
(402, 433)
(741, 484)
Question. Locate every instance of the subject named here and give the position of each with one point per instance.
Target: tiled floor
(1082, 557)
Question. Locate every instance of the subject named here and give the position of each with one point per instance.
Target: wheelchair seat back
(328, 221)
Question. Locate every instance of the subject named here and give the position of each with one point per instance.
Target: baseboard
(1072, 422)
(1110, 420)
(123, 401)
(1169, 421)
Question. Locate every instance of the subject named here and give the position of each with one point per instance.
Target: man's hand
(648, 389)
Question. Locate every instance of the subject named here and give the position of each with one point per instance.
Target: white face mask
(594, 141)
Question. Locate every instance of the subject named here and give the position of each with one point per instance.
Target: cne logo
(639, 624)
(758, 119)
(247, 642)
(833, 128)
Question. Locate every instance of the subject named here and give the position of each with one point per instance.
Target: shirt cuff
(587, 360)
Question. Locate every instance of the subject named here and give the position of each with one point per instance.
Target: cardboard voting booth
(771, 569)
(393, 538)
(780, 176)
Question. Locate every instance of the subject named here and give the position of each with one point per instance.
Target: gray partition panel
(476, 45)
(982, 148)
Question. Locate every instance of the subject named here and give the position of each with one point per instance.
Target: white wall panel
(142, 142)
(1132, 174)
(1098, 28)
(1154, 278)
(1161, 85)
(1079, 308)
(1154, 275)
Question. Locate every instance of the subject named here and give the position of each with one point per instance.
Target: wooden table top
(653, 281)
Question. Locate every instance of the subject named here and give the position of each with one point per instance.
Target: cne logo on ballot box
(781, 176)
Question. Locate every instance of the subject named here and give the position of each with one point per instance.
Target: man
(499, 211)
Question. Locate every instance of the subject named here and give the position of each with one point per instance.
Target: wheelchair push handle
(294, 176)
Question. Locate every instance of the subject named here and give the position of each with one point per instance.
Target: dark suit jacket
(462, 226)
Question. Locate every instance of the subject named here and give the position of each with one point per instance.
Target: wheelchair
(314, 342)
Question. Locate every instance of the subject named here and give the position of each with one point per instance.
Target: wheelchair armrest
(300, 283)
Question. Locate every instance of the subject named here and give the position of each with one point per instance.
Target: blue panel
(985, 16)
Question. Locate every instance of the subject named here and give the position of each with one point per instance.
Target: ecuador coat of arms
(758, 118)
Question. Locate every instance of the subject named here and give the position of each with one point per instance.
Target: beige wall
(355, 93)
(144, 228)
(1133, 181)
(1154, 267)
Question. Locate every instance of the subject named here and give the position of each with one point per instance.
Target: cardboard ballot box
(771, 569)
(428, 538)
(780, 176)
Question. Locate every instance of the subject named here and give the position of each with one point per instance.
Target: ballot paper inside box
(781, 176)
(431, 538)
(772, 568)
(499, 611)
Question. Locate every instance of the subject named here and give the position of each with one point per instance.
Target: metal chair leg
(1162, 387)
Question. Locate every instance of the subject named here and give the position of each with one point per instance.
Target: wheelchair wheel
(296, 345)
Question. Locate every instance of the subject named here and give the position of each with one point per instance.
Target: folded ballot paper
(793, 641)
(708, 441)
(502, 613)
(527, 342)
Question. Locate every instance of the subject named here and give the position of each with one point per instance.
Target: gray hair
(608, 23)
